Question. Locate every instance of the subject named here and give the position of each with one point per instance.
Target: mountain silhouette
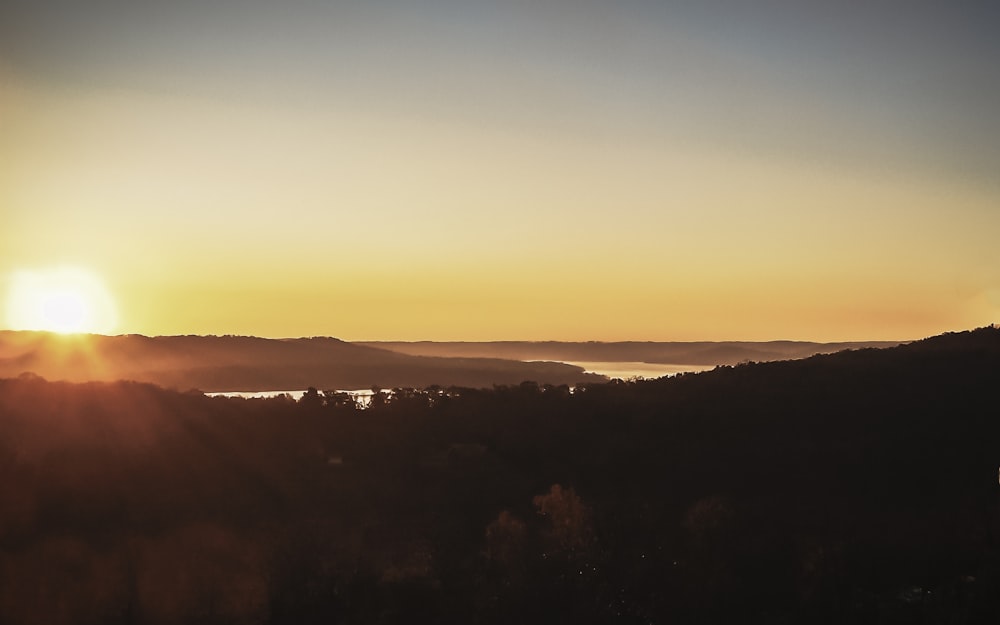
(702, 353)
(241, 363)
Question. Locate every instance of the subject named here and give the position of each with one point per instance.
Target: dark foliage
(858, 487)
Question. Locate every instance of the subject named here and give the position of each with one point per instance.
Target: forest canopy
(859, 486)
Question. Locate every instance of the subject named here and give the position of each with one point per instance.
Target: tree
(570, 519)
(505, 541)
(311, 399)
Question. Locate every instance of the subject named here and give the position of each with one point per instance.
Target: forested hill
(857, 487)
(239, 363)
(671, 352)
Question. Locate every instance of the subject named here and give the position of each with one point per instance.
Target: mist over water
(620, 370)
(626, 370)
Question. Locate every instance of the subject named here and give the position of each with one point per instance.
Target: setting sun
(66, 300)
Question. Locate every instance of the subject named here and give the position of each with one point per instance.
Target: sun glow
(65, 300)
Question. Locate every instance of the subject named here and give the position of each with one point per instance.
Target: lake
(621, 370)
(363, 394)
(626, 370)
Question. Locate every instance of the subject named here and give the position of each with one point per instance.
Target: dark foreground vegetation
(859, 487)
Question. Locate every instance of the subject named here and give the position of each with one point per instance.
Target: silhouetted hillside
(674, 352)
(238, 363)
(856, 487)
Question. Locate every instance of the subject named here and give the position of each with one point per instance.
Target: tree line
(854, 487)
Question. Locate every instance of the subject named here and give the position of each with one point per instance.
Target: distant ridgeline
(236, 363)
(853, 487)
(704, 353)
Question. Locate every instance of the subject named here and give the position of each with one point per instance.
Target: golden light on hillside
(65, 300)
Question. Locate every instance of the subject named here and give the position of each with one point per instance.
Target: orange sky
(640, 173)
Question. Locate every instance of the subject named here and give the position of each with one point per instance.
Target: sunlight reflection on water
(296, 395)
(626, 370)
(621, 370)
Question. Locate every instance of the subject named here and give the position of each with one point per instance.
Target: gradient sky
(545, 169)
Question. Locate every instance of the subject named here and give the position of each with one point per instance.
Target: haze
(524, 171)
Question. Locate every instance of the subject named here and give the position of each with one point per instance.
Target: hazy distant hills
(240, 363)
(237, 363)
(673, 352)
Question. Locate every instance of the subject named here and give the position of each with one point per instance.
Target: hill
(702, 353)
(856, 487)
(238, 363)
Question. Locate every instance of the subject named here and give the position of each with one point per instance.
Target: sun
(66, 300)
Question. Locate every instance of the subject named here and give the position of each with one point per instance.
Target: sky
(522, 170)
